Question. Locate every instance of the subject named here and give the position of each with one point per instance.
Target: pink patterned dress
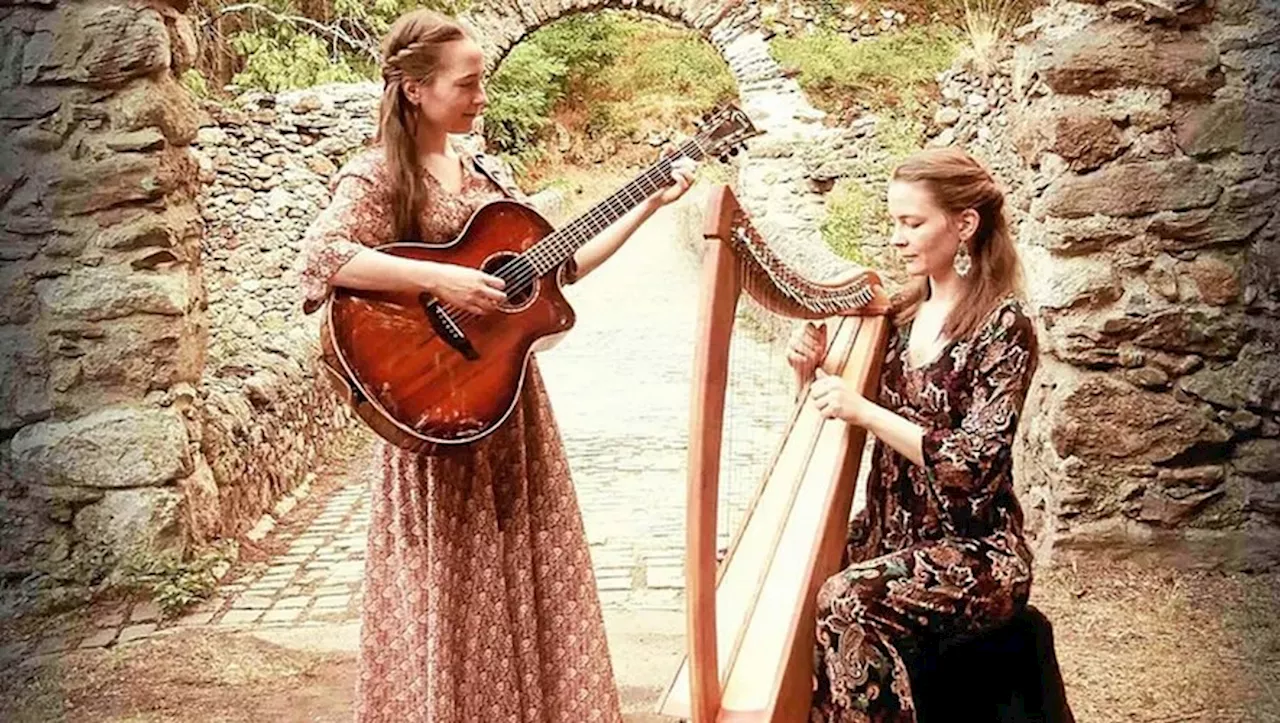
(480, 602)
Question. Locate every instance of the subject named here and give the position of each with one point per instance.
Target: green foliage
(883, 71)
(280, 57)
(541, 72)
(521, 96)
(195, 83)
(573, 66)
(283, 44)
(856, 210)
(669, 74)
(173, 583)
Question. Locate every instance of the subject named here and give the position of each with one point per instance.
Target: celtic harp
(750, 628)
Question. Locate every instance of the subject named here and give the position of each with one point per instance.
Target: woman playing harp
(938, 551)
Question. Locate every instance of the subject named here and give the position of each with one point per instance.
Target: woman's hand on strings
(807, 344)
(466, 288)
(683, 170)
(835, 399)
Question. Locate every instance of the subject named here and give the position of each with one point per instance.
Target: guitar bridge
(447, 329)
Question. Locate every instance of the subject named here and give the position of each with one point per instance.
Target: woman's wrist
(861, 412)
(420, 275)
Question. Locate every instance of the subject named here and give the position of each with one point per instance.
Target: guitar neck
(552, 251)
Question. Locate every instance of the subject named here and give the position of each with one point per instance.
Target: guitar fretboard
(557, 247)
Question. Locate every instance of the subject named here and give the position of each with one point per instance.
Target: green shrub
(280, 57)
(521, 96)
(856, 210)
(884, 71)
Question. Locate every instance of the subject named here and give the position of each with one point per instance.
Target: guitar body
(404, 376)
(425, 376)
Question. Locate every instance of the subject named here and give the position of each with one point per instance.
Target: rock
(1259, 459)
(1204, 477)
(1252, 381)
(307, 103)
(211, 136)
(1104, 421)
(946, 116)
(120, 179)
(24, 378)
(1215, 280)
(1057, 283)
(321, 166)
(133, 523)
(110, 293)
(1160, 509)
(184, 47)
(1230, 125)
(111, 448)
(136, 141)
(1148, 377)
(201, 509)
(1131, 190)
(1083, 138)
(160, 103)
(103, 45)
(1204, 227)
(1115, 54)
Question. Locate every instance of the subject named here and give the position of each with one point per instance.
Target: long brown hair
(411, 50)
(958, 182)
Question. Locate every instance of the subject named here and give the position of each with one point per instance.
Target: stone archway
(771, 184)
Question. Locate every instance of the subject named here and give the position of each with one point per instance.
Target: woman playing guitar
(480, 601)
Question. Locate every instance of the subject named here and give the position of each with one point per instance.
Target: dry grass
(1155, 646)
(987, 25)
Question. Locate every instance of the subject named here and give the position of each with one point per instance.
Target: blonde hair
(956, 183)
(411, 50)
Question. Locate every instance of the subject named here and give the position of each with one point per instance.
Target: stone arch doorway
(770, 182)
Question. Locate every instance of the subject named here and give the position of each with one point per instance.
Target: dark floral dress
(938, 551)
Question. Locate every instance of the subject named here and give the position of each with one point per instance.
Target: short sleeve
(358, 216)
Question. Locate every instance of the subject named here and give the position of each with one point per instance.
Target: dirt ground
(1134, 644)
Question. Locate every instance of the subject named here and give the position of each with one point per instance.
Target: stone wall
(102, 322)
(1151, 134)
(268, 415)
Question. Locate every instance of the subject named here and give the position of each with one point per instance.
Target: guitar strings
(527, 273)
(523, 278)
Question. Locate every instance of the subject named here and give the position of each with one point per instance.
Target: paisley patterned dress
(480, 602)
(938, 552)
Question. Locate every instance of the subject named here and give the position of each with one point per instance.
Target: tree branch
(331, 31)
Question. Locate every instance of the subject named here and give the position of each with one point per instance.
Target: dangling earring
(963, 262)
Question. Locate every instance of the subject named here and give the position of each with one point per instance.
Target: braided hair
(411, 49)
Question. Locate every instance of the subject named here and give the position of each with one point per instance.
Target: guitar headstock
(724, 131)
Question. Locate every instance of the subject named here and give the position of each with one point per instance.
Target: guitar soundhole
(522, 280)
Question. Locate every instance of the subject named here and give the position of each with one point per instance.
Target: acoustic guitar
(426, 375)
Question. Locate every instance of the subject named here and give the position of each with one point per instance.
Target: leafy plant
(879, 72)
(174, 583)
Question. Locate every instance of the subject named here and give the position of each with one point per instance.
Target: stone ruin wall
(158, 385)
(103, 323)
(1150, 131)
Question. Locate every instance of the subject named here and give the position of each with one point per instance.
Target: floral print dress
(480, 602)
(938, 552)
